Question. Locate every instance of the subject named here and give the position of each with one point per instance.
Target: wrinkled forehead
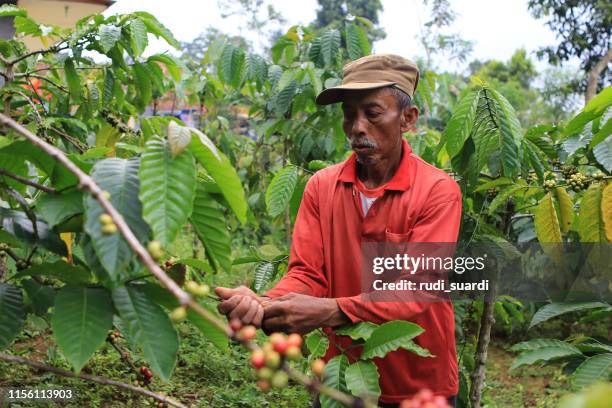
(382, 97)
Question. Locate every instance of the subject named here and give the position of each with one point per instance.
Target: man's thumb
(224, 293)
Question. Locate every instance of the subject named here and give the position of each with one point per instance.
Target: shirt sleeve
(305, 272)
(438, 222)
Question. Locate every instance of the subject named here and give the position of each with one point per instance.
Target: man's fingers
(258, 317)
(241, 308)
(228, 305)
(250, 314)
(274, 308)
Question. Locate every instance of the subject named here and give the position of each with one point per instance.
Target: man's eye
(372, 114)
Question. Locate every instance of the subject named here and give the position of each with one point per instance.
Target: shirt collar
(400, 180)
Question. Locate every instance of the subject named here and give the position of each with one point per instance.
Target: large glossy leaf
(19, 225)
(149, 327)
(165, 299)
(461, 122)
(73, 79)
(596, 368)
(591, 226)
(109, 35)
(120, 178)
(221, 170)
(566, 209)
(157, 29)
(511, 134)
(603, 153)
(317, 345)
(556, 309)
(592, 110)
(143, 83)
(333, 377)
(541, 343)
(232, 65)
(41, 297)
(390, 336)
(545, 354)
(11, 313)
(63, 271)
(362, 380)
(281, 189)
(138, 36)
(546, 221)
(56, 208)
(357, 43)
(330, 45)
(167, 189)
(81, 320)
(208, 218)
(606, 210)
(179, 138)
(359, 331)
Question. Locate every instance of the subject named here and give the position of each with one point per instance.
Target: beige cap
(372, 72)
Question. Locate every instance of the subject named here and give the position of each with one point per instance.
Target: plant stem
(97, 379)
(27, 182)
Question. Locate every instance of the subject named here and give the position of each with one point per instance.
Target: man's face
(374, 124)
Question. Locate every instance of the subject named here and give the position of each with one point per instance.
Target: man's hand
(296, 313)
(241, 303)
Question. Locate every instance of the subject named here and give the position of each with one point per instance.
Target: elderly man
(382, 193)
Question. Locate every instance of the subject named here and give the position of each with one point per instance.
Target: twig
(94, 378)
(28, 182)
(71, 139)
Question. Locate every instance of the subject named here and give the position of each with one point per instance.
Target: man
(382, 193)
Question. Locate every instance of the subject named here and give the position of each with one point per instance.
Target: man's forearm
(335, 317)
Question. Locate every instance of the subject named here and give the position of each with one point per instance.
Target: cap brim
(337, 93)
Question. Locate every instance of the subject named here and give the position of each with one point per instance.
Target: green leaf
(545, 355)
(333, 377)
(120, 178)
(56, 208)
(73, 80)
(546, 221)
(330, 44)
(606, 210)
(11, 313)
(503, 196)
(232, 65)
(359, 331)
(81, 320)
(282, 100)
(9, 10)
(73, 274)
(179, 138)
(19, 225)
(149, 327)
(566, 209)
(362, 380)
(143, 83)
(511, 134)
(591, 226)
(264, 273)
(164, 298)
(157, 29)
(357, 44)
(27, 26)
(317, 345)
(167, 189)
(208, 218)
(172, 65)
(281, 189)
(596, 368)
(603, 153)
(221, 170)
(541, 343)
(556, 309)
(591, 111)
(109, 35)
(390, 336)
(460, 125)
(138, 36)
(256, 69)
(41, 296)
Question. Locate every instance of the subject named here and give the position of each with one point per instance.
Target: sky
(497, 27)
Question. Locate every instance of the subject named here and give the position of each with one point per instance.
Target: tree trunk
(594, 75)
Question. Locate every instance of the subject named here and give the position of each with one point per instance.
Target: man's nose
(358, 127)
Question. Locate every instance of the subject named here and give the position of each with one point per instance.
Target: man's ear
(408, 119)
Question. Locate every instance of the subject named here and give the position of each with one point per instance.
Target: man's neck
(376, 174)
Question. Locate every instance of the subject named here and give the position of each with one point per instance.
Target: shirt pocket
(396, 236)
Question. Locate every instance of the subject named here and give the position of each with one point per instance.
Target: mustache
(363, 143)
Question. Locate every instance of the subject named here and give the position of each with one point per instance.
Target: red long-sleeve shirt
(420, 204)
